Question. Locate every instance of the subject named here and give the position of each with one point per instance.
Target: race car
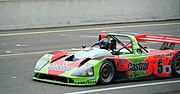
(115, 57)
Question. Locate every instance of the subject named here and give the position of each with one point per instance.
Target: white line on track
(58, 31)
(29, 53)
(124, 87)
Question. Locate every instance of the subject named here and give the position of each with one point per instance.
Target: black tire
(106, 73)
(176, 65)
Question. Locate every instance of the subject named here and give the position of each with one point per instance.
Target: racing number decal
(160, 66)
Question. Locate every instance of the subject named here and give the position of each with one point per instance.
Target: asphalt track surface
(20, 49)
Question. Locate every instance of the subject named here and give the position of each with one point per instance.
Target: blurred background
(23, 14)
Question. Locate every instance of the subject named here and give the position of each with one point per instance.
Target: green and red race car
(115, 57)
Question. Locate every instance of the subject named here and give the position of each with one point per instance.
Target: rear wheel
(176, 65)
(106, 73)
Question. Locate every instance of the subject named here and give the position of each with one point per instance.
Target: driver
(104, 44)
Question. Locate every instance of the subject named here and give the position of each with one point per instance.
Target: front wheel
(106, 73)
(176, 65)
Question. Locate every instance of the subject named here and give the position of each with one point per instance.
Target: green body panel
(135, 59)
(137, 74)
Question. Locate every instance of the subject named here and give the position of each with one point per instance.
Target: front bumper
(66, 80)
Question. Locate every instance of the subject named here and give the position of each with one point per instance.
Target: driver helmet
(104, 44)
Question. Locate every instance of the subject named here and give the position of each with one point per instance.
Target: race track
(20, 49)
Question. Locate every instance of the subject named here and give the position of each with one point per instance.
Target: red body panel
(155, 56)
(58, 54)
(145, 38)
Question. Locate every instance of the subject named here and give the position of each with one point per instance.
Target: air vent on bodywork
(70, 58)
(84, 61)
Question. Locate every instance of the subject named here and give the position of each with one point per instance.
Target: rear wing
(153, 38)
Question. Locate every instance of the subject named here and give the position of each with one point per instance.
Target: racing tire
(106, 73)
(176, 65)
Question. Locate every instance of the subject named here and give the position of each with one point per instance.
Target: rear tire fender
(176, 65)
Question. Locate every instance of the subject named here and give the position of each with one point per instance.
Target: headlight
(40, 64)
(84, 71)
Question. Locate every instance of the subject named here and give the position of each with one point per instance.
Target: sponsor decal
(168, 55)
(159, 56)
(138, 66)
(86, 82)
(163, 69)
(60, 68)
(122, 61)
(166, 69)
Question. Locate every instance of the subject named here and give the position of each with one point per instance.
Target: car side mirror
(83, 46)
